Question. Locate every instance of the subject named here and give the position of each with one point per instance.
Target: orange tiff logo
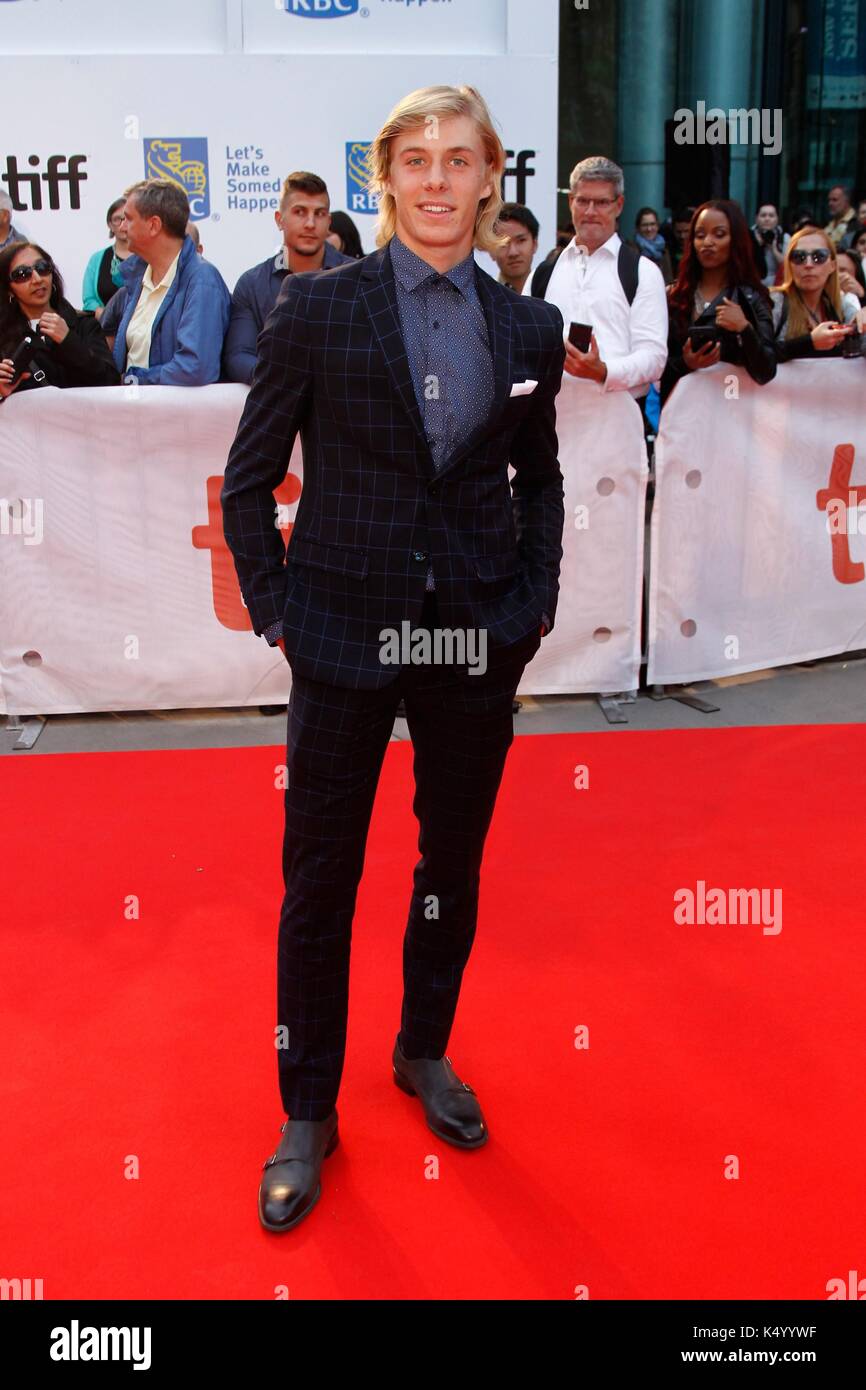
(835, 501)
(228, 603)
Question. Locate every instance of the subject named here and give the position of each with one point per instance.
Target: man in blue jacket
(171, 316)
(304, 218)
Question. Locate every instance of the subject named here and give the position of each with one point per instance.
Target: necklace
(701, 304)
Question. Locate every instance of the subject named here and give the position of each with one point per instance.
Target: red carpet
(606, 1167)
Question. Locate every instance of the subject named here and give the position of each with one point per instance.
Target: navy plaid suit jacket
(375, 512)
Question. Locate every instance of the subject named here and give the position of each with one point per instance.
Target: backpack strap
(541, 277)
(628, 267)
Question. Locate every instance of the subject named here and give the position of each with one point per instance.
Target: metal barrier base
(611, 705)
(28, 729)
(658, 692)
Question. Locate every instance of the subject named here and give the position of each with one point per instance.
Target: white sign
(759, 521)
(230, 125)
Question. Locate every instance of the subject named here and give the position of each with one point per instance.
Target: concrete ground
(830, 691)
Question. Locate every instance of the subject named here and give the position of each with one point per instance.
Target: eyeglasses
(819, 257)
(22, 273)
(584, 204)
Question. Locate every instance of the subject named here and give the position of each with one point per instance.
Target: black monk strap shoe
(450, 1105)
(291, 1186)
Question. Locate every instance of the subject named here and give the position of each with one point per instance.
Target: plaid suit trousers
(461, 729)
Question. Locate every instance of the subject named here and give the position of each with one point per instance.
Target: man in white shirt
(599, 282)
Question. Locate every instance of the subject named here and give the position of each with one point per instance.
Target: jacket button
(419, 555)
(434, 488)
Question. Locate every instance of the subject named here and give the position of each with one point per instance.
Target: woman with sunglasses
(70, 348)
(719, 309)
(811, 315)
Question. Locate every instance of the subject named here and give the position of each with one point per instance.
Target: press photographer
(770, 243)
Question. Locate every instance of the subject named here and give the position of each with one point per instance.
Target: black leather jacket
(752, 349)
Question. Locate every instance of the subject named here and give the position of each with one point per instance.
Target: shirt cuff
(273, 632)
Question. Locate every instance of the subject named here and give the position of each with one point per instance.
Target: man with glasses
(600, 282)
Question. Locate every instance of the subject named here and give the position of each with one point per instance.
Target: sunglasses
(22, 273)
(802, 257)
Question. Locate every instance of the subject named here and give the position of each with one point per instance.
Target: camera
(29, 344)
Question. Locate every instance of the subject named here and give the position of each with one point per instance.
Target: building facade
(797, 68)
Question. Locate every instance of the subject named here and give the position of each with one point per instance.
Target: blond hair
(799, 321)
(415, 110)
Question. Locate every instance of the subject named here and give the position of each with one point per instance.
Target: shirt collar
(165, 282)
(611, 246)
(411, 271)
(281, 262)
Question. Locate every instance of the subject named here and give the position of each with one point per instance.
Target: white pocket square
(523, 388)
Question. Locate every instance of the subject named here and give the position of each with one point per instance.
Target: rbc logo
(358, 196)
(321, 9)
(183, 162)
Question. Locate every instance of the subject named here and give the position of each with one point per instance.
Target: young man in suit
(415, 380)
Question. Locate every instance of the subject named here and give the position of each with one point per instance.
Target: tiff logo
(53, 176)
(228, 603)
(835, 501)
(520, 172)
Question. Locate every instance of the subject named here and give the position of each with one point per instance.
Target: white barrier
(752, 562)
(595, 643)
(117, 590)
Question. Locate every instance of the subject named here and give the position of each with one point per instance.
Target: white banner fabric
(595, 643)
(117, 590)
(759, 521)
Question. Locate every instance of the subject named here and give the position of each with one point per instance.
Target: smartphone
(699, 337)
(580, 336)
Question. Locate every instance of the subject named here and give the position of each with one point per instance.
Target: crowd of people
(639, 313)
